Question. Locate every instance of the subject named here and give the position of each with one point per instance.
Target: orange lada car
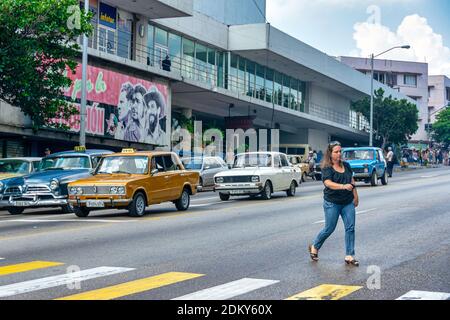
(134, 180)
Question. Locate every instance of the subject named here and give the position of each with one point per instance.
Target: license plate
(95, 204)
(237, 192)
(23, 203)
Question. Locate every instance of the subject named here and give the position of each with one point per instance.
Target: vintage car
(133, 180)
(368, 164)
(16, 167)
(258, 173)
(48, 186)
(301, 150)
(207, 167)
(296, 161)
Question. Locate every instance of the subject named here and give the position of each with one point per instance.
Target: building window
(150, 45)
(448, 93)
(188, 58)
(250, 78)
(125, 22)
(260, 82)
(175, 51)
(286, 91)
(410, 80)
(269, 85)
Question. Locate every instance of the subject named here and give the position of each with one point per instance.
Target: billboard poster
(121, 107)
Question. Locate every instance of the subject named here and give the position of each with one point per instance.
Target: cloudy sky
(362, 27)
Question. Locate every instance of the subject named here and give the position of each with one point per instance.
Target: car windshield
(125, 165)
(65, 163)
(253, 160)
(358, 155)
(14, 166)
(193, 164)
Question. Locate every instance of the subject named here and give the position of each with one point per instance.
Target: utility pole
(83, 84)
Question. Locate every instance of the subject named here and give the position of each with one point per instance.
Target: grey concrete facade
(330, 86)
(233, 12)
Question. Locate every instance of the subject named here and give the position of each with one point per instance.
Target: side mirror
(154, 171)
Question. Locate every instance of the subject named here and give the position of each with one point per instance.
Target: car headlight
(219, 180)
(121, 190)
(113, 190)
(79, 190)
(255, 179)
(54, 185)
(73, 190)
(366, 170)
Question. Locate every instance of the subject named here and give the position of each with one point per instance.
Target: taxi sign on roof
(128, 150)
(80, 149)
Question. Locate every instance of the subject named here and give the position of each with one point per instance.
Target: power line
(260, 11)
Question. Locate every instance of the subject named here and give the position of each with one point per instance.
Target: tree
(37, 43)
(441, 128)
(394, 121)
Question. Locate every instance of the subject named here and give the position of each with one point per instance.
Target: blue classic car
(48, 186)
(368, 164)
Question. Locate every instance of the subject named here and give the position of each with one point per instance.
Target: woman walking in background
(340, 199)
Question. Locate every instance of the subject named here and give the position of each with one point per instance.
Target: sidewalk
(415, 167)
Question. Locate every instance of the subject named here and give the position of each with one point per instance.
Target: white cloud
(414, 30)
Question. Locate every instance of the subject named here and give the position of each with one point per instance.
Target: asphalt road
(241, 249)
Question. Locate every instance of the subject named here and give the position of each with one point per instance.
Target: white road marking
(73, 220)
(2, 258)
(228, 290)
(56, 281)
(425, 295)
(357, 213)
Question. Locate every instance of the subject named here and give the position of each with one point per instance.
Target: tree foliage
(394, 121)
(441, 128)
(37, 42)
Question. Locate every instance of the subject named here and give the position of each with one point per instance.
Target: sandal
(352, 262)
(314, 256)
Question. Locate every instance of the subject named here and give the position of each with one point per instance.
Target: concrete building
(230, 76)
(439, 91)
(409, 78)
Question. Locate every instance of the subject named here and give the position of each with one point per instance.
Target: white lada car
(258, 173)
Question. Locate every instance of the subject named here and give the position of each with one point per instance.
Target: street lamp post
(372, 58)
(83, 84)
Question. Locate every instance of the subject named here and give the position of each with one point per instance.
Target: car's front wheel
(384, 179)
(137, 206)
(67, 208)
(15, 211)
(182, 204)
(224, 196)
(81, 212)
(292, 189)
(374, 179)
(266, 194)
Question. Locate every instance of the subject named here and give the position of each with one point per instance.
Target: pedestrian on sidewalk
(390, 162)
(340, 199)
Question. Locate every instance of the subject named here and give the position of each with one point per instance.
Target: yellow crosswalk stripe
(133, 287)
(325, 292)
(27, 266)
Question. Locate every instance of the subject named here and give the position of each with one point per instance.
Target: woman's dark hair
(327, 162)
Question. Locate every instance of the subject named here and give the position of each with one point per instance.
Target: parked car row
(86, 180)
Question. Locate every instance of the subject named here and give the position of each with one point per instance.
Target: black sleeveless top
(342, 197)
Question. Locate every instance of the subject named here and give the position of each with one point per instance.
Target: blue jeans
(332, 213)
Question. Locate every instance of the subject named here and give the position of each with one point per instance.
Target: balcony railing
(216, 75)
